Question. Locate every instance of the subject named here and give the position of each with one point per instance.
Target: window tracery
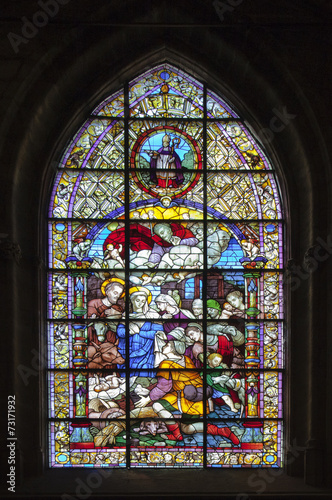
(165, 305)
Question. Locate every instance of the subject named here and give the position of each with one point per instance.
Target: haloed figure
(142, 333)
(107, 307)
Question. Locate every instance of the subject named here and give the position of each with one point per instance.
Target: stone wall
(58, 58)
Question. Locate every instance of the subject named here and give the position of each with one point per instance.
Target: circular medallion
(166, 162)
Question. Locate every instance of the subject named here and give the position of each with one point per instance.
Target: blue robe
(141, 347)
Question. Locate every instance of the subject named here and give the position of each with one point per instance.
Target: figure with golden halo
(102, 349)
(107, 307)
(141, 333)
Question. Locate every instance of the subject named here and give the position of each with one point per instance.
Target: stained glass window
(165, 295)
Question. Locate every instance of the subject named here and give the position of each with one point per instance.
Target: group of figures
(168, 346)
(163, 245)
(166, 360)
(176, 360)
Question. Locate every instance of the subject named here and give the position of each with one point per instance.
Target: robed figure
(165, 164)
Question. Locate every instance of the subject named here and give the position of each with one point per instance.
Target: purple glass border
(281, 334)
(250, 139)
(106, 102)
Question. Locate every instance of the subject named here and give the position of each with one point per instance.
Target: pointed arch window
(165, 298)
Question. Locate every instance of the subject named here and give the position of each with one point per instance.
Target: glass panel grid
(165, 287)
